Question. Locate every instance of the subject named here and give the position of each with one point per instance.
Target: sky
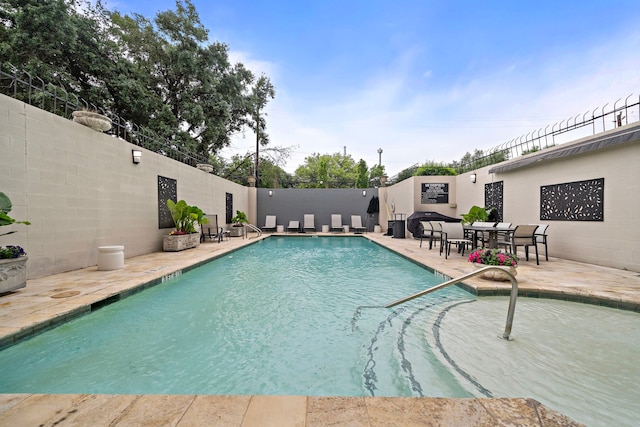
(422, 80)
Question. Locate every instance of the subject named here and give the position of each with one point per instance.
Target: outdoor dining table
(492, 231)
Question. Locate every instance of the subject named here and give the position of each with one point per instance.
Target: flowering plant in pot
(485, 257)
(185, 218)
(13, 259)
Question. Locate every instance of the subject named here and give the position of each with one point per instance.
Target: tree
(362, 180)
(406, 173)
(200, 98)
(241, 167)
(434, 169)
(327, 171)
(375, 173)
(162, 74)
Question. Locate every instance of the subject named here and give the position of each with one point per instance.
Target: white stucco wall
(80, 190)
(614, 242)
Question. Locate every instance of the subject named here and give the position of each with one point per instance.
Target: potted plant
(13, 259)
(493, 257)
(238, 224)
(92, 119)
(476, 214)
(185, 218)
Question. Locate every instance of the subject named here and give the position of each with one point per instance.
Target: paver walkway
(52, 300)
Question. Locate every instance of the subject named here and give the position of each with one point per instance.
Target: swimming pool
(283, 316)
(346, 344)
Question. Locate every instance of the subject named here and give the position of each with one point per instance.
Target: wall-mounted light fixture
(472, 177)
(136, 155)
(270, 193)
(364, 193)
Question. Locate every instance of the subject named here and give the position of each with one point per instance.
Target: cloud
(441, 123)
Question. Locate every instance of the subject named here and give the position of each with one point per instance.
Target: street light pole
(257, 145)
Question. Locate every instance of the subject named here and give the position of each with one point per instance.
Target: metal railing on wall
(34, 91)
(599, 119)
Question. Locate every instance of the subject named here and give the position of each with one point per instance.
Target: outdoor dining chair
(211, 230)
(453, 233)
(523, 235)
(541, 237)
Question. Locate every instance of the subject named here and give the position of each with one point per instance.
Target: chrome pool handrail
(254, 228)
(512, 300)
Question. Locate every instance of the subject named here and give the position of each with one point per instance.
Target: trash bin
(389, 228)
(399, 224)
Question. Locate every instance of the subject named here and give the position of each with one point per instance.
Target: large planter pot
(180, 242)
(205, 167)
(13, 274)
(495, 274)
(93, 120)
(236, 231)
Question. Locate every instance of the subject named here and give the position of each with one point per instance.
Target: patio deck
(52, 300)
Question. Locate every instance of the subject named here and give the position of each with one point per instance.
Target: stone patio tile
(390, 411)
(337, 411)
(155, 410)
(276, 411)
(40, 409)
(219, 411)
(524, 412)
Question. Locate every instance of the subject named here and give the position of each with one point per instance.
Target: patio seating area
(51, 300)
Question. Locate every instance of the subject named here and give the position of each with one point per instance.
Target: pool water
(294, 316)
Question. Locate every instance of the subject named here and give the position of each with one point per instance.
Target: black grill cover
(413, 222)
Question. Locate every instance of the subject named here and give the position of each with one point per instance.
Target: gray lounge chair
(356, 224)
(293, 226)
(309, 223)
(336, 223)
(269, 223)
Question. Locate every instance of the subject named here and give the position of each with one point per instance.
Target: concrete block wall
(80, 190)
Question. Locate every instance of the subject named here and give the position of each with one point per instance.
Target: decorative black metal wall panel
(573, 201)
(494, 197)
(167, 189)
(229, 208)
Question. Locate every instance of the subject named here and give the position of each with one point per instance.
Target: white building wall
(80, 189)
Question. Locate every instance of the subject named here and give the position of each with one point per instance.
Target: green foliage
(270, 173)
(531, 150)
(476, 213)
(160, 73)
(375, 173)
(240, 218)
(5, 208)
(406, 173)
(434, 169)
(11, 252)
(327, 171)
(479, 160)
(362, 180)
(185, 217)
